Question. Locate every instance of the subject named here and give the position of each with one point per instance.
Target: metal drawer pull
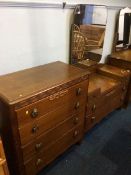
(76, 120)
(34, 129)
(39, 161)
(123, 71)
(93, 118)
(77, 105)
(76, 133)
(34, 113)
(78, 92)
(94, 108)
(38, 146)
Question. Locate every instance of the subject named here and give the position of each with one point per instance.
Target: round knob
(76, 133)
(34, 129)
(34, 113)
(78, 92)
(94, 108)
(38, 162)
(38, 146)
(76, 120)
(77, 105)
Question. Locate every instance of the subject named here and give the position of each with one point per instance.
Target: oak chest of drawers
(42, 112)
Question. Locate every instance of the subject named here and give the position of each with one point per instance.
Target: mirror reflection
(87, 33)
(124, 30)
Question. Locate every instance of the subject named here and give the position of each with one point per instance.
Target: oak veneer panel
(23, 84)
(56, 93)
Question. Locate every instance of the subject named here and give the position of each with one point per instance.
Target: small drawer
(30, 130)
(48, 138)
(40, 108)
(43, 158)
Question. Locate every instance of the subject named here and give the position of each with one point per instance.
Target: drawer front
(30, 130)
(53, 151)
(96, 103)
(46, 139)
(102, 107)
(102, 111)
(40, 108)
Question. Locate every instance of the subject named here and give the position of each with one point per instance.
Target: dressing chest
(42, 112)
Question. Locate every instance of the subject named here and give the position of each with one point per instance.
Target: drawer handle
(34, 113)
(93, 118)
(38, 146)
(77, 105)
(34, 129)
(39, 161)
(76, 120)
(78, 92)
(76, 133)
(123, 71)
(94, 108)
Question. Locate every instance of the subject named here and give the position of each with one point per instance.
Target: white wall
(32, 36)
(99, 15)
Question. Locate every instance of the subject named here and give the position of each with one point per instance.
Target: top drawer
(51, 102)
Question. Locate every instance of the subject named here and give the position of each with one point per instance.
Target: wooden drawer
(40, 108)
(102, 107)
(33, 129)
(43, 158)
(95, 103)
(100, 112)
(52, 135)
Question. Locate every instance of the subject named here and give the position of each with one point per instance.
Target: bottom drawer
(104, 109)
(45, 157)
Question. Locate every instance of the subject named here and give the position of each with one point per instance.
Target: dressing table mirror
(121, 55)
(87, 33)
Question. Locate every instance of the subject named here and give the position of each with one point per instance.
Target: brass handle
(93, 118)
(38, 146)
(38, 162)
(34, 113)
(76, 133)
(94, 108)
(123, 71)
(78, 92)
(34, 129)
(76, 120)
(77, 105)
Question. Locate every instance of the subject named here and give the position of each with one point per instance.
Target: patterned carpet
(105, 150)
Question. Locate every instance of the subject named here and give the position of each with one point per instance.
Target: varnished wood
(122, 59)
(40, 105)
(39, 79)
(105, 95)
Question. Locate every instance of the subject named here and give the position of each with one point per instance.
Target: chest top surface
(123, 55)
(24, 84)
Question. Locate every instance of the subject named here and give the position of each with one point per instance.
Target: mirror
(87, 33)
(124, 30)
